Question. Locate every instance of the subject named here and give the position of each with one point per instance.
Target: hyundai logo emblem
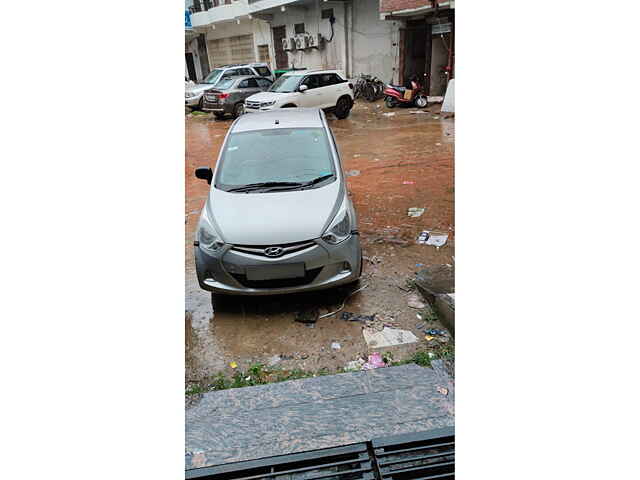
(273, 251)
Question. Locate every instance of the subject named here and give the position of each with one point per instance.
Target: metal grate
(351, 462)
(415, 456)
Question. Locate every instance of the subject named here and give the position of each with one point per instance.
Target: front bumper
(192, 101)
(249, 109)
(326, 266)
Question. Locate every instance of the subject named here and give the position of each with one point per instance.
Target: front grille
(258, 250)
(414, 456)
(424, 455)
(309, 277)
(250, 104)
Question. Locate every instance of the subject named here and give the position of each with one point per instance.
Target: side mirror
(302, 88)
(204, 173)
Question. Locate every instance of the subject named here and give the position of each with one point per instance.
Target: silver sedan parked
(228, 96)
(277, 218)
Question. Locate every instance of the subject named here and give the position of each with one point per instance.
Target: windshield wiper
(317, 180)
(254, 186)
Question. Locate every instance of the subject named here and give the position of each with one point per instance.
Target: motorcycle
(394, 96)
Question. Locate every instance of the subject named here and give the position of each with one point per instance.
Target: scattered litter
(308, 316)
(417, 111)
(428, 338)
(438, 144)
(415, 211)
(356, 155)
(389, 114)
(335, 346)
(435, 117)
(420, 325)
(388, 337)
(233, 365)
(408, 182)
(343, 303)
(274, 360)
(375, 361)
(414, 301)
(442, 390)
(418, 316)
(354, 317)
(436, 239)
(419, 265)
(435, 99)
(435, 332)
(431, 355)
(355, 365)
(352, 173)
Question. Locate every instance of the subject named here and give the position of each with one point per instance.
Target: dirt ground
(393, 162)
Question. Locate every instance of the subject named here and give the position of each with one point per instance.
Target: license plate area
(275, 272)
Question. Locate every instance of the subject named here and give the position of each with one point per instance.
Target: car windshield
(225, 83)
(285, 84)
(296, 155)
(213, 77)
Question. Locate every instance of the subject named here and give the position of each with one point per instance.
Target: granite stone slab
(296, 416)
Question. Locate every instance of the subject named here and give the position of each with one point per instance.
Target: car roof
(286, 118)
(242, 77)
(307, 72)
(243, 65)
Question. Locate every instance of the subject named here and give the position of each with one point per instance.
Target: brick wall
(394, 5)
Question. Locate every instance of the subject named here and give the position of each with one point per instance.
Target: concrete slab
(301, 415)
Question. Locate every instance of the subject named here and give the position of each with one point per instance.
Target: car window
(225, 83)
(283, 155)
(285, 84)
(231, 73)
(243, 84)
(312, 81)
(263, 82)
(214, 76)
(330, 79)
(246, 71)
(263, 71)
(251, 83)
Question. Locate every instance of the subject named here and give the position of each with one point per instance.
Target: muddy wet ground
(394, 163)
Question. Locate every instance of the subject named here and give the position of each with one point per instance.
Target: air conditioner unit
(300, 43)
(313, 40)
(286, 44)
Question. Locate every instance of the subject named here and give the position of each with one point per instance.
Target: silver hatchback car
(278, 218)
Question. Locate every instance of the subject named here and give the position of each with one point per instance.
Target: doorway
(282, 61)
(190, 66)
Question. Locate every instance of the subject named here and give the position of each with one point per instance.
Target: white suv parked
(324, 89)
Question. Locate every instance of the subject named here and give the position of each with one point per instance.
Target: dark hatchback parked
(228, 95)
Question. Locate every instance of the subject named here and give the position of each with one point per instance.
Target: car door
(247, 87)
(312, 97)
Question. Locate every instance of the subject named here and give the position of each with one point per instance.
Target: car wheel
(201, 103)
(343, 107)
(238, 109)
(219, 115)
(390, 102)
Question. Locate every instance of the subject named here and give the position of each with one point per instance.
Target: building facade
(391, 39)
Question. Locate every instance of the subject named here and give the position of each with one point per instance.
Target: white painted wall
(373, 42)
(332, 55)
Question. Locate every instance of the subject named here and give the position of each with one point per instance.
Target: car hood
(264, 97)
(273, 218)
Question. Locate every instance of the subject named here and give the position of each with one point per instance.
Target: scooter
(394, 96)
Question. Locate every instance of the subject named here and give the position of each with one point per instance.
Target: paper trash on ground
(388, 337)
(431, 237)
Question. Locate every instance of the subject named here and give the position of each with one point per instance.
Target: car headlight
(267, 104)
(207, 236)
(340, 228)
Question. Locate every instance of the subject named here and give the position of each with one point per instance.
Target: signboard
(187, 20)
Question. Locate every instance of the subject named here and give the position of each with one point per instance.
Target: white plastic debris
(389, 114)
(414, 301)
(388, 337)
(335, 346)
(431, 237)
(415, 212)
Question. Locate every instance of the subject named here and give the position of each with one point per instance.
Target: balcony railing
(204, 5)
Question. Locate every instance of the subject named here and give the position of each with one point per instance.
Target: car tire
(343, 107)
(219, 115)
(238, 109)
(201, 103)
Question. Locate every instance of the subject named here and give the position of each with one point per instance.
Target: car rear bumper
(216, 107)
(325, 266)
(193, 101)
